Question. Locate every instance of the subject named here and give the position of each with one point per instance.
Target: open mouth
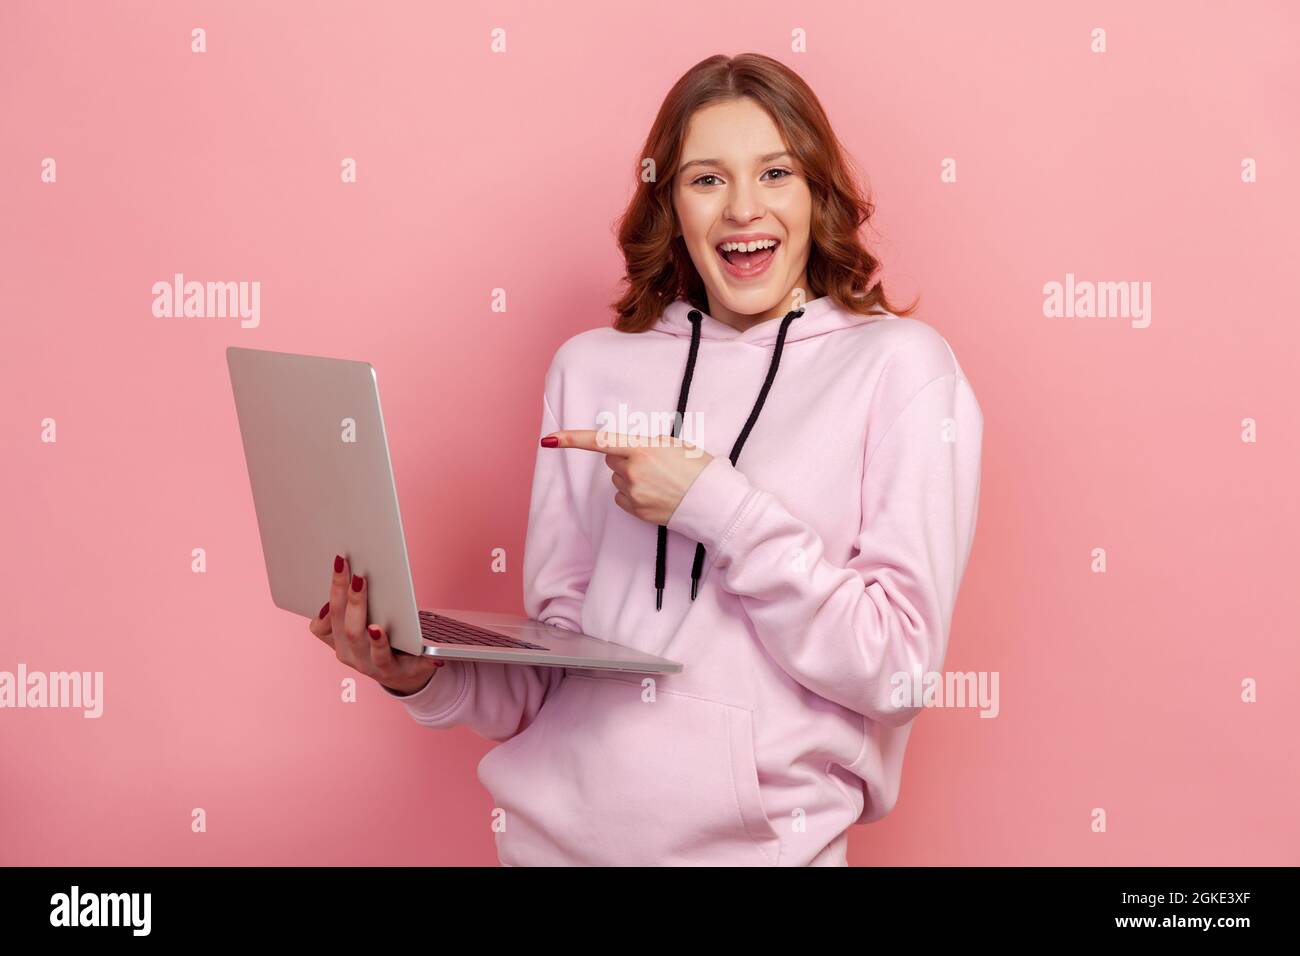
(746, 262)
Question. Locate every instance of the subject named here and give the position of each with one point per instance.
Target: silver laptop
(323, 485)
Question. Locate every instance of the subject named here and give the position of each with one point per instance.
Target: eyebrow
(717, 162)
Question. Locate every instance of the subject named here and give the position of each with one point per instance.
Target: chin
(748, 301)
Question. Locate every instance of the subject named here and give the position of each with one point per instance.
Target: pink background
(479, 171)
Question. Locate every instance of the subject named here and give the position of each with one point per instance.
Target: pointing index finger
(590, 439)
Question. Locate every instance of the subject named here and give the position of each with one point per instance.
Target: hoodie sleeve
(500, 700)
(844, 631)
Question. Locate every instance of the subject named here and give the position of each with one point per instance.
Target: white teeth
(748, 246)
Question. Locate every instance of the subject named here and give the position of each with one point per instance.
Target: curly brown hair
(659, 267)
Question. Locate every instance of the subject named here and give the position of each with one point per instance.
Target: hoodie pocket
(605, 777)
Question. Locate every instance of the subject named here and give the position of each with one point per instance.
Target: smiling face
(738, 183)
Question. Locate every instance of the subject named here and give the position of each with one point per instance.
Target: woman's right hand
(341, 624)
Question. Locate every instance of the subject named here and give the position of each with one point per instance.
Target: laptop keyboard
(446, 631)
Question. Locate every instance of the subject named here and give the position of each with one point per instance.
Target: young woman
(796, 538)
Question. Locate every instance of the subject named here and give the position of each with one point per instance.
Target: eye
(699, 180)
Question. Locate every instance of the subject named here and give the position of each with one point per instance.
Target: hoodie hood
(818, 317)
(682, 319)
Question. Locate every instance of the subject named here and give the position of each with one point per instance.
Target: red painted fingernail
(324, 609)
(338, 563)
(356, 582)
(550, 441)
(374, 632)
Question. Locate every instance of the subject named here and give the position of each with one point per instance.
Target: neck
(742, 322)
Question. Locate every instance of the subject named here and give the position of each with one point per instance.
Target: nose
(743, 202)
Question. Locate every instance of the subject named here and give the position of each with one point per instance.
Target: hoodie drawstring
(695, 317)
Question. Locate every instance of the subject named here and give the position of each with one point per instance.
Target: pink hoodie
(834, 548)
